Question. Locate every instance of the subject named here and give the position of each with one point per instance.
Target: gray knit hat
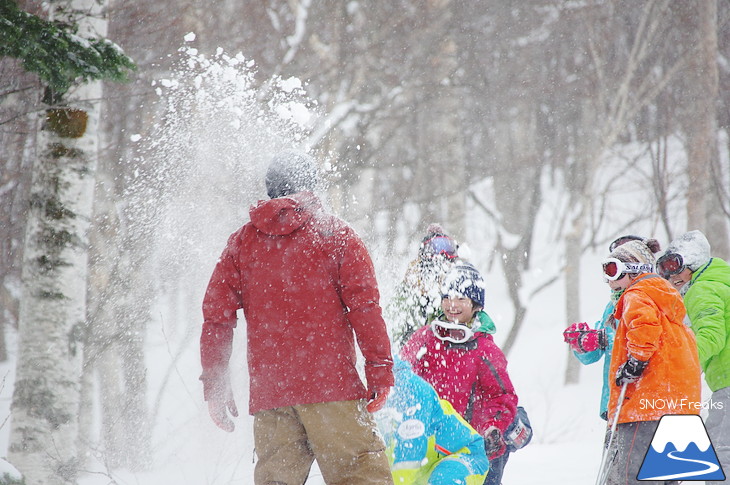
(289, 172)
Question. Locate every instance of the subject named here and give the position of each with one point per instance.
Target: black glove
(492, 440)
(630, 371)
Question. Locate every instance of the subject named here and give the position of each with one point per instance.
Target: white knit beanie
(693, 247)
(634, 252)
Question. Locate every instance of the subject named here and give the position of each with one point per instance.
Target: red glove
(220, 402)
(377, 399)
(582, 338)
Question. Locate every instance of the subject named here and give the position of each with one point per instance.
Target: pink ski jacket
(307, 288)
(471, 376)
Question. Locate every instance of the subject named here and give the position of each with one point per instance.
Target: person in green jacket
(705, 283)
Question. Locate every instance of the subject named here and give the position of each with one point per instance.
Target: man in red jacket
(307, 287)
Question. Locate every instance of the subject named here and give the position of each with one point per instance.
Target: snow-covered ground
(189, 449)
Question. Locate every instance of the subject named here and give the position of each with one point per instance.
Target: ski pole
(603, 470)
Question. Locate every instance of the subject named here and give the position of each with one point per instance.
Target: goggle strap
(622, 268)
(638, 268)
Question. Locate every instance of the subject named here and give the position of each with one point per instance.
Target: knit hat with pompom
(637, 252)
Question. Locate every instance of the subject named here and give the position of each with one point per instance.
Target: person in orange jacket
(654, 356)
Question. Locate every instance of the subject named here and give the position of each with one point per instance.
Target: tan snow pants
(341, 436)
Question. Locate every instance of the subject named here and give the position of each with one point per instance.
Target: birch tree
(17, 100)
(52, 315)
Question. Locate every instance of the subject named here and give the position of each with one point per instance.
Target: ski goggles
(622, 240)
(442, 245)
(451, 332)
(614, 269)
(670, 264)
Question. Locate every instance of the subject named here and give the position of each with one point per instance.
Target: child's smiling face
(680, 279)
(457, 308)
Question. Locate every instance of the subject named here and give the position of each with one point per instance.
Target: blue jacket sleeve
(592, 357)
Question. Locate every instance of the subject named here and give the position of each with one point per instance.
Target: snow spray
(200, 166)
(203, 163)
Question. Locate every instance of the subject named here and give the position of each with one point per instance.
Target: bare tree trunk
(443, 180)
(518, 197)
(704, 209)
(444, 143)
(660, 177)
(116, 309)
(573, 251)
(18, 98)
(579, 185)
(700, 123)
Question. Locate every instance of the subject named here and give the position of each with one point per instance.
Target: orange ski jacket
(651, 328)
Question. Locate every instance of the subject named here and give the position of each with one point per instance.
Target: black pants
(629, 446)
(496, 469)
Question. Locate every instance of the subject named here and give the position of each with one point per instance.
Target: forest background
(534, 131)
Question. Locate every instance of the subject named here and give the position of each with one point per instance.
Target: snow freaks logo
(681, 449)
(679, 405)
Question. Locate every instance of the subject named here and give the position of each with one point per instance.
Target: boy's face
(678, 280)
(457, 308)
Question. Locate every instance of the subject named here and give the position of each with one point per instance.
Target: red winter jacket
(472, 376)
(306, 283)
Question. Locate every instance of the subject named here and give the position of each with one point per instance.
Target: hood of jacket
(694, 248)
(284, 215)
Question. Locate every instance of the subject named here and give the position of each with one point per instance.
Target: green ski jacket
(708, 308)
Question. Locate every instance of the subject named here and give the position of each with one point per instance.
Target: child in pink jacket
(457, 355)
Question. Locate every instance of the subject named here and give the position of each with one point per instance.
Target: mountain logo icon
(681, 449)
